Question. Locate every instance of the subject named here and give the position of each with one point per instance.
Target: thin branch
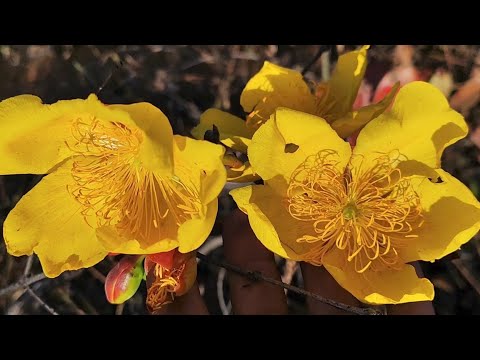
(109, 77)
(256, 276)
(319, 53)
(26, 272)
(28, 267)
(22, 283)
(97, 274)
(41, 302)
(65, 297)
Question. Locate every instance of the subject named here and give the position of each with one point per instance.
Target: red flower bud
(124, 279)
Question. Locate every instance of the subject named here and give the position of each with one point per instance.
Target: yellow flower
(363, 213)
(275, 86)
(118, 181)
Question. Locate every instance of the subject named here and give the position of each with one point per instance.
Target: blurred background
(185, 80)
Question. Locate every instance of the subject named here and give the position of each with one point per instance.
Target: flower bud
(124, 279)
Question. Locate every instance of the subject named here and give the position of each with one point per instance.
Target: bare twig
(105, 82)
(319, 53)
(28, 267)
(109, 77)
(257, 276)
(22, 283)
(64, 296)
(26, 272)
(25, 283)
(41, 302)
(84, 302)
(97, 274)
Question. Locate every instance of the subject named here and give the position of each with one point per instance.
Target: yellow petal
(271, 222)
(381, 287)
(34, 135)
(198, 178)
(420, 126)
(198, 166)
(187, 237)
(200, 162)
(156, 150)
(354, 121)
(285, 141)
(275, 86)
(193, 233)
(242, 174)
(48, 221)
(344, 84)
(452, 218)
(115, 243)
(232, 130)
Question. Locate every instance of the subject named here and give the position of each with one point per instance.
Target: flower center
(350, 211)
(111, 184)
(162, 290)
(367, 213)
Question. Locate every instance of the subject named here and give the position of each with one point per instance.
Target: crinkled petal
(115, 242)
(378, 287)
(193, 233)
(49, 222)
(199, 162)
(271, 221)
(354, 121)
(288, 138)
(34, 136)
(275, 86)
(419, 127)
(344, 84)
(451, 214)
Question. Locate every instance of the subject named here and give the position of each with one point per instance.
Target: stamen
(368, 213)
(111, 184)
(162, 290)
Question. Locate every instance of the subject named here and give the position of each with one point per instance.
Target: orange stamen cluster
(112, 184)
(162, 290)
(368, 213)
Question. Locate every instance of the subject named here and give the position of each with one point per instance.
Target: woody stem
(258, 276)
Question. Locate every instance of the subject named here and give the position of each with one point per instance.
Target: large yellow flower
(363, 213)
(118, 181)
(275, 86)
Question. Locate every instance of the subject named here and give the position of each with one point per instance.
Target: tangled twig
(258, 276)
